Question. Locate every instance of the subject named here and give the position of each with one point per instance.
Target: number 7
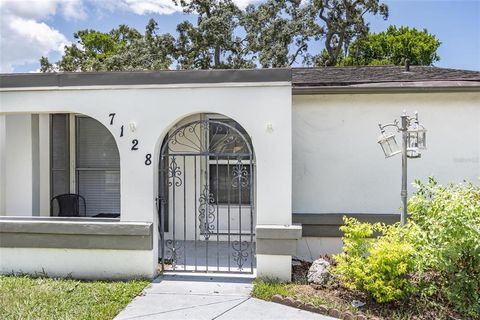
(112, 115)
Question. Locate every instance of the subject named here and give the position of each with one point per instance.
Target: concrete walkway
(206, 297)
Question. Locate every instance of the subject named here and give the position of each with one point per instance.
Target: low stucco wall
(79, 248)
(90, 264)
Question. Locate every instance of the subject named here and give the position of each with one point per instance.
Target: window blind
(97, 167)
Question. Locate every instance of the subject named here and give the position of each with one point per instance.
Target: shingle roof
(383, 76)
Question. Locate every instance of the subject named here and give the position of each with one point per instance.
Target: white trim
(72, 147)
(154, 86)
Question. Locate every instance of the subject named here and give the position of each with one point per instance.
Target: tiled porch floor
(210, 256)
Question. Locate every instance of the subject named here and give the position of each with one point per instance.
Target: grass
(265, 289)
(25, 297)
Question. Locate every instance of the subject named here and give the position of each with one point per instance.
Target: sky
(30, 29)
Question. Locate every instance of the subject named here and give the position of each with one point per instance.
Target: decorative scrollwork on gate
(240, 253)
(174, 251)
(206, 210)
(174, 173)
(240, 175)
(206, 136)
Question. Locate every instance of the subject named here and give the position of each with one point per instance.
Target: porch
(100, 137)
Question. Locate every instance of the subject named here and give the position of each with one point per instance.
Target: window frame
(73, 170)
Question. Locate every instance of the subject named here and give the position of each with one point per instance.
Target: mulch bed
(336, 301)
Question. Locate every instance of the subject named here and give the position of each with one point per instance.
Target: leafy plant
(378, 266)
(436, 256)
(447, 233)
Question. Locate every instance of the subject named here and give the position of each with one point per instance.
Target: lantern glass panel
(412, 139)
(389, 145)
(422, 138)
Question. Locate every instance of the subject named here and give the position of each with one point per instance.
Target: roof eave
(312, 90)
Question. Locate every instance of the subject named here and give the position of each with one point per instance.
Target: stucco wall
(18, 157)
(338, 167)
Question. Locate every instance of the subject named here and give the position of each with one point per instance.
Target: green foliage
(24, 297)
(393, 46)
(273, 33)
(211, 43)
(278, 32)
(447, 234)
(121, 49)
(378, 266)
(265, 288)
(436, 256)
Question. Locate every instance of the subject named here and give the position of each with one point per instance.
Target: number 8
(148, 159)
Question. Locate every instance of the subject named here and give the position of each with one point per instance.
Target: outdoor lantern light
(417, 135)
(389, 144)
(414, 137)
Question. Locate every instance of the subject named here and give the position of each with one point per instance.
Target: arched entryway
(207, 197)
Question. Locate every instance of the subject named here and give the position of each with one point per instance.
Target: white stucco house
(125, 174)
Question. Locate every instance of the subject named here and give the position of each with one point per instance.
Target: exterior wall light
(389, 144)
(414, 137)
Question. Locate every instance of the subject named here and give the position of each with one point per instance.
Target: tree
(344, 21)
(123, 48)
(212, 43)
(279, 31)
(393, 46)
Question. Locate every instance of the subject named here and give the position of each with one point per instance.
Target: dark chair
(68, 205)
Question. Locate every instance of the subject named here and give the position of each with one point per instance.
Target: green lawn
(23, 297)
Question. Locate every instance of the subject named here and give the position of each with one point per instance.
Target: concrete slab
(258, 309)
(169, 306)
(206, 285)
(206, 297)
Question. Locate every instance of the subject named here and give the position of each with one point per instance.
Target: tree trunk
(217, 57)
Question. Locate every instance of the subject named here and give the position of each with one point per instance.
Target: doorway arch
(207, 198)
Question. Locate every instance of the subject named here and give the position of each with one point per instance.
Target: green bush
(446, 224)
(435, 256)
(378, 266)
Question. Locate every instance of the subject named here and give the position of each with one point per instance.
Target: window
(224, 184)
(97, 167)
(59, 154)
(94, 162)
(230, 157)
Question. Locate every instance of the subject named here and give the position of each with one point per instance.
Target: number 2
(111, 115)
(135, 144)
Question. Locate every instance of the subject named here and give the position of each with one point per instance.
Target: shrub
(446, 224)
(378, 266)
(439, 247)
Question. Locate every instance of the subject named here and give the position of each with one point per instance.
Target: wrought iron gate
(207, 199)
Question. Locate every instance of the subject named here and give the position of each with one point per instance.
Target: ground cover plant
(428, 269)
(25, 297)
